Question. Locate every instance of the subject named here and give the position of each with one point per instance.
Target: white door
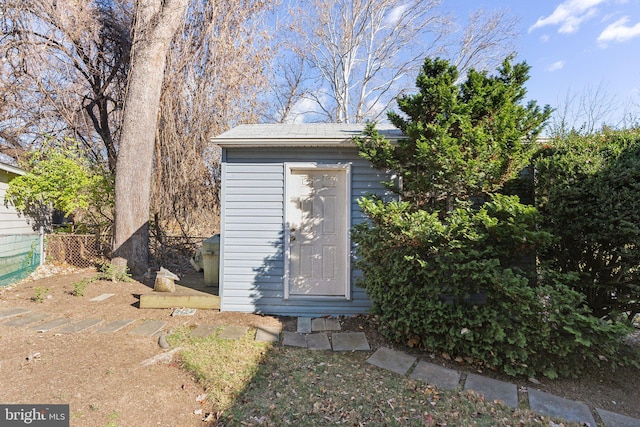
(317, 231)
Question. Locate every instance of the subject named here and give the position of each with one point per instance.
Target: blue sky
(576, 47)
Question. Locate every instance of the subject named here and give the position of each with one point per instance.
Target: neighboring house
(19, 244)
(288, 201)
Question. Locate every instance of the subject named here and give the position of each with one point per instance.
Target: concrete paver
(26, 320)
(616, 420)
(318, 341)
(392, 360)
(101, 297)
(492, 389)
(7, 313)
(233, 332)
(268, 333)
(149, 328)
(293, 339)
(50, 325)
(304, 325)
(81, 326)
(350, 341)
(325, 324)
(437, 375)
(204, 330)
(115, 326)
(555, 406)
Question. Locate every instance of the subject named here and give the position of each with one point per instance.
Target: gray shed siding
(252, 229)
(11, 222)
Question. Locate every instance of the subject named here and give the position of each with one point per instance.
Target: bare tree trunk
(155, 24)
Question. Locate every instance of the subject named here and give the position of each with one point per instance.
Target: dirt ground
(100, 375)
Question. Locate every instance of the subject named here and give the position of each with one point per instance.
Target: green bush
(589, 194)
(448, 286)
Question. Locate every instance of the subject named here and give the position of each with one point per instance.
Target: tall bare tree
(363, 53)
(214, 66)
(63, 73)
(155, 25)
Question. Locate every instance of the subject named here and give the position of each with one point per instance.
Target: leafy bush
(448, 287)
(460, 278)
(589, 193)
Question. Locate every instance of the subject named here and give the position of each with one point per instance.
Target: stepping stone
(149, 328)
(554, 406)
(7, 313)
(27, 320)
(204, 330)
(101, 297)
(492, 390)
(616, 420)
(268, 333)
(304, 325)
(50, 325)
(437, 375)
(115, 326)
(350, 341)
(184, 312)
(233, 332)
(323, 324)
(293, 339)
(392, 360)
(81, 326)
(318, 341)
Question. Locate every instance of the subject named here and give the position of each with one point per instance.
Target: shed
(20, 246)
(288, 201)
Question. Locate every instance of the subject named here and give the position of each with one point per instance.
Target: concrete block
(492, 390)
(437, 375)
(392, 360)
(555, 406)
(350, 341)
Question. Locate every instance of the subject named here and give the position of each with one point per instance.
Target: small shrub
(114, 273)
(40, 293)
(80, 288)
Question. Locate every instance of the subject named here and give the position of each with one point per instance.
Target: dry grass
(253, 384)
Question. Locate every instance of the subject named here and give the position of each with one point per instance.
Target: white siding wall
(10, 221)
(252, 262)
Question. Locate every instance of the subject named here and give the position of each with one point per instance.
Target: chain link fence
(86, 250)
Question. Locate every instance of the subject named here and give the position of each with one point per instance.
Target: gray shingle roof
(297, 135)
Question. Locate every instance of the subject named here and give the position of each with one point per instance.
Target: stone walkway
(325, 334)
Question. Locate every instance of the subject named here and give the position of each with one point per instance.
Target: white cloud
(395, 14)
(558, 65)
(545, 38)
(569, 15)
(619, 32)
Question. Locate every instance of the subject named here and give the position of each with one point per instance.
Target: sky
(577, 48)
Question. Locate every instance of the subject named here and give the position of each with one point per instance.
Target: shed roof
(12, 169)
(298, 135)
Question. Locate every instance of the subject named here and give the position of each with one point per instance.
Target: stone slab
(7, 313)
(492, 390)
(554, 406)
(101, 297)
(233, 332)
(81, 326)
(317, 325)
(27, 320)
(115, 326)
(268, 333)
(611, 419)
(392, 360)
(50, 325)
(350, 341)
(319, 341)
(205, 330)
(293, 339)
(437, 375)
(332, 324)
(148, 328)
(304, 325)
